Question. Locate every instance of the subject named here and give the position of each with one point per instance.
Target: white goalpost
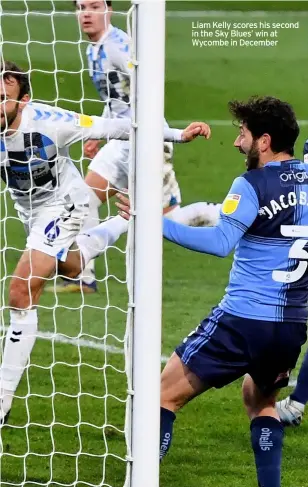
(87, 410)
(147, 281)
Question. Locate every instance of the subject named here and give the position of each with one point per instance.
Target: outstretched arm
(108, 128)
(71, 127)
(238, 212)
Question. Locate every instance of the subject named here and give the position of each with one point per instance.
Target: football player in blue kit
(259, 326)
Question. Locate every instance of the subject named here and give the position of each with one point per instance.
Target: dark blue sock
(166, 426)
(266, 439)
(300, 393)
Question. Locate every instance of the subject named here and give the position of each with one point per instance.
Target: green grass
(72, 396)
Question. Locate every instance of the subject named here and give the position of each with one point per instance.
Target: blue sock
(266, 439)
(166, 426)
(300, 393)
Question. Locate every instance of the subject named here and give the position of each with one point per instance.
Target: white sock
(88, 273)
(97, 239)
(19, 342)
(200, 214)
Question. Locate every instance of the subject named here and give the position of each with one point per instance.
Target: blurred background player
(110, 67)
(52, 201)
(259, 326)
(291, 409)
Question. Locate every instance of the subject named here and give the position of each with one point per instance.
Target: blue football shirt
(264, 218)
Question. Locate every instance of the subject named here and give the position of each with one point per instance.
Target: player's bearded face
(247, 145)
(253, 156)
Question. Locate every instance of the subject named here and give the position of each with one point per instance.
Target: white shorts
(53, 228)
(111, 163)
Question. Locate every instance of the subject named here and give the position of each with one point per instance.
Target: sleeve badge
(231, 203)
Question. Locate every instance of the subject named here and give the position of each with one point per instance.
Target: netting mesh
(67, 425)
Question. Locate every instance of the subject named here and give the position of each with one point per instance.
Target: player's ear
(23, 101)
(265, 142)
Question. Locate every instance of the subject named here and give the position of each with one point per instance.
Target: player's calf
(178, 386)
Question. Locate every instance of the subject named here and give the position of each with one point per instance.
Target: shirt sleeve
(238, 212)
(84, 127)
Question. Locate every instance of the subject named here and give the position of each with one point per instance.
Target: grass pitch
(67, 427)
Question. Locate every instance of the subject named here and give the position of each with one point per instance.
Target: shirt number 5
(297, 252)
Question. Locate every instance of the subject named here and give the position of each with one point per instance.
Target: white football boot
(290, 412)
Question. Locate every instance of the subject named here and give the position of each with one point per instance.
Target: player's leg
(276, 355)
(209, 357)
(100, 190)
(92, 244)
(291, 409)
(266, 433)
(179, 385)
(26, 285)
(51, 231)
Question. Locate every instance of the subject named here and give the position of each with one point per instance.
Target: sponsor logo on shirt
(231, 203)
(288, 178)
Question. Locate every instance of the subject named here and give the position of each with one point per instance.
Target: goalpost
(47, 441)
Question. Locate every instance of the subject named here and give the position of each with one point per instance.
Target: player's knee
(20, 296)
(172, 398)
(255, 402)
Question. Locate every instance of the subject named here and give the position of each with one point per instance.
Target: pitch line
(82, 343)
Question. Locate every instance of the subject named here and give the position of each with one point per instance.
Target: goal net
(70, 422)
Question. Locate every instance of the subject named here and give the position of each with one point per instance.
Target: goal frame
(147, 98)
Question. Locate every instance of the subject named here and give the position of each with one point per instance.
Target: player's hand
(196, 129)
(91, 148)
(124, 205)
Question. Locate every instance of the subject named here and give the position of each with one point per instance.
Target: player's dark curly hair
(108, 3)
(268, 115)
(10, 70)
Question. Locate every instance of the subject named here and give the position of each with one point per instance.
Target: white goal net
(70, 420)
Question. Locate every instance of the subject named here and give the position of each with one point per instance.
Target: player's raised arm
(238, 212)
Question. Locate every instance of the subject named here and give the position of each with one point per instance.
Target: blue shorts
(225, 347)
